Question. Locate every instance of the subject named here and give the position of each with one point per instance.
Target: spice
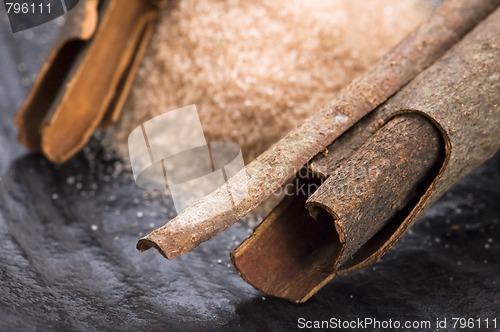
(295, 250)
(87, 75)
(459, 95)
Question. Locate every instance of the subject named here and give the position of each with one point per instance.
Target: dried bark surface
(86, 77)
(357, 200)
(378, 181)
(81, 23)
(205, 219)
(459, 94)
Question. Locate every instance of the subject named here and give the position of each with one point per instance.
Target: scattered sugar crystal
(22, 67)
(341, 118)
(25, 81)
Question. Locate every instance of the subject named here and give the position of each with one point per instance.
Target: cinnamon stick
(205, 219)
(87, 75)
(292, 254)
(379, 181)
(80, 26)
(459, 95)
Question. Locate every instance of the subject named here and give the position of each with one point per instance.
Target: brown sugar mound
(256, 69)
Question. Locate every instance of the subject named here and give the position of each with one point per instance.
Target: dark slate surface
(68, 258)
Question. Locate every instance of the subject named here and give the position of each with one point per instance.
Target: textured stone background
(68, 258)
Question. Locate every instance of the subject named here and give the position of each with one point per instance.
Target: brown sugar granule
(256, 69)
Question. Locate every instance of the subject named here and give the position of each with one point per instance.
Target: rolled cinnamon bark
(360, 196)
(379, 181)
(459, 95)
(87, 75)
